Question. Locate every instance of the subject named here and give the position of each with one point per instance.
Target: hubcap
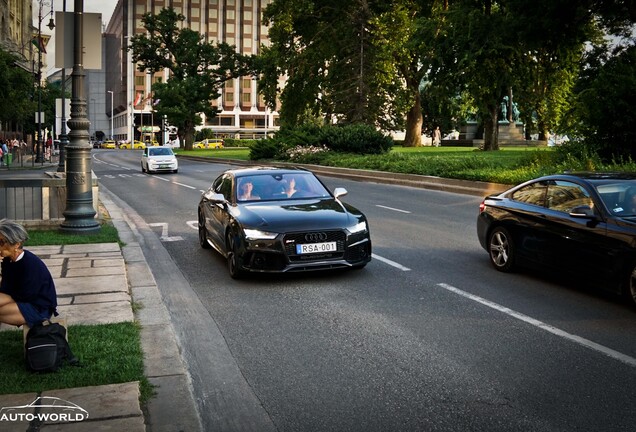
(499, 249)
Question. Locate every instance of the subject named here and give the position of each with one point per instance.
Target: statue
(504, 108)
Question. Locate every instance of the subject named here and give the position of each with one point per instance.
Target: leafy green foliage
(308, 141)
(17, 92)
(606, 106)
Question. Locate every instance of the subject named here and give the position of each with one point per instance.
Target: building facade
(243, 113)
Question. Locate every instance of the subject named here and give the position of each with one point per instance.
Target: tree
(333, 68)
(197, 69)
(605, 100)
(17, 92)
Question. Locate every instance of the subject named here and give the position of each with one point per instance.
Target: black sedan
(580, 223)
(266, 219)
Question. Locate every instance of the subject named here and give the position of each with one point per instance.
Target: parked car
(155, 159)
(213, 143)
(276, 220)
(583, 224)
(137, 145)
(109, 144)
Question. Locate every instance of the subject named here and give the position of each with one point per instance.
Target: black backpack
(46, 348)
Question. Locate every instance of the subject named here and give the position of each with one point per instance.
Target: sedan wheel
(631, 285)
(502, 250)
(232, 258)
(203, 241)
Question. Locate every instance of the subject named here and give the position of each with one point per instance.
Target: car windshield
(277, 186)
(160, 151)
(619, 197)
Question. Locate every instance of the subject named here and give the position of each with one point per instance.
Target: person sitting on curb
(27, 290)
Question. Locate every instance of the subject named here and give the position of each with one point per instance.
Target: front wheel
(502, 250)
(233, 265)
(203, 238)
(630, 291)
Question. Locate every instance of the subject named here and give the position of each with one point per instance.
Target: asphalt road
(428, 337)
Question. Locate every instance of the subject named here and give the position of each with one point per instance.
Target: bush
(309, 143)
(233, 142)
(264, 149)
(356, 138)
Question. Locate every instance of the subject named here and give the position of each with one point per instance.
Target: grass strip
(42, 237)
(108, 353)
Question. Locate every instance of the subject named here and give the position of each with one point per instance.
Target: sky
(105, 7)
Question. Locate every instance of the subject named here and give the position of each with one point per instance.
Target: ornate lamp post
(79, 215)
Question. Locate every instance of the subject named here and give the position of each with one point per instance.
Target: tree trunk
(188, 135)
(491, 130)
(414, 120)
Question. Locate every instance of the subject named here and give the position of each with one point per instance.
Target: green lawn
(509, 165)
(108, 354)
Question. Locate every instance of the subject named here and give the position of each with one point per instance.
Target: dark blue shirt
(28, 280)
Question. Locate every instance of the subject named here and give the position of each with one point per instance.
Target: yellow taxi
(137, 145)
(210, 143)
(109, 144)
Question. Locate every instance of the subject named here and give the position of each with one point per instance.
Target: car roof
(590, 177)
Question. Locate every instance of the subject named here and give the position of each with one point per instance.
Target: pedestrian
(437, 137)
(5, 151)
(1, 154)
(27, 290)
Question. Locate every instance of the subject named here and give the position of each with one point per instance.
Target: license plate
(315, 248)
(164, 166)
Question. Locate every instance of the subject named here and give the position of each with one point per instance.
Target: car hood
(297, 215)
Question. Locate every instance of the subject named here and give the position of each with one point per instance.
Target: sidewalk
(96, 284)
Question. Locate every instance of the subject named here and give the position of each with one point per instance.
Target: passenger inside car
(246, 190)
(629, 202)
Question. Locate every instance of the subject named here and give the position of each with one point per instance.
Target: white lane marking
(160, 178)
(391, 208)
(551, 329)
(193, 224)
(164, 232)
(184, 185)
(389, 262)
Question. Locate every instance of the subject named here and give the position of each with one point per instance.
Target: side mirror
(214, 197)
(583, 211)
(338, 192)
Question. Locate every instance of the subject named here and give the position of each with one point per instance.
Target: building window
(246, 98)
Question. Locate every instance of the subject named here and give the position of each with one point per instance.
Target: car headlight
(359, 227)
(253, 234)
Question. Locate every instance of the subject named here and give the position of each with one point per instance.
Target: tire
(502, 250)
(630, 285)
(232, 260)
(203, 241)
(143, 170)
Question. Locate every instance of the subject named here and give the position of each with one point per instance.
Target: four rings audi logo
(316, 237)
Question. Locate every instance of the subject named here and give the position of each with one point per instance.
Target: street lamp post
(39, 156)
(111, 114)
(79, 216)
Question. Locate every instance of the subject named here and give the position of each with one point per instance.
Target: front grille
(291, 240)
